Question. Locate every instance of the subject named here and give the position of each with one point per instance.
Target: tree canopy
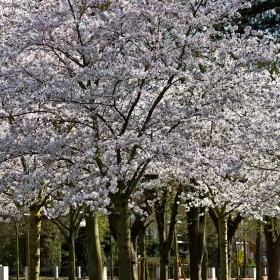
(96, 96)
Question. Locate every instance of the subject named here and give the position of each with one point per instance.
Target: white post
(265, 273)
(26, 273)
(4, 273)
(79, 274)
(105, 273)
(211, 273)
(56, 273)
(252, 272)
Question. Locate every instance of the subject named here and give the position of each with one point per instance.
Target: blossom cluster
(98, 95)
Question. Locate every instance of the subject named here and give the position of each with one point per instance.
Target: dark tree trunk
(196, 231)
(223, 246)
(259, 252)
(94, 250)
(71, 259)
(272, 238)
(73, 230)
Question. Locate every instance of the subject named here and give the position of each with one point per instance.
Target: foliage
(51, 240)
(81, 250)
(240, 258)
(152, 247)
(106, 247)
(252, 263)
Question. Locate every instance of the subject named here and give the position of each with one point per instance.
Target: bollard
(252, 272)
(79, 274)
(264, 273)
(26, 273)
(56, 273)
(4, 272)
(211, 273)
(105, 273)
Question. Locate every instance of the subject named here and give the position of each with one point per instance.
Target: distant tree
(262, 15)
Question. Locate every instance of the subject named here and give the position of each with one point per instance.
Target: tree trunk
(27, 253)
(164, 254)
(71, 259)
(196, 231)
(223, 244)
(111, 258)
(71, 242)
(118, 225)
(134, 260)
(142, 251)
(123, 238)
(164, 261)
(94, 249)
(272, 238)
(258, 252)
(204, 275)
(35, 222)
(17, 249)
(229, 257)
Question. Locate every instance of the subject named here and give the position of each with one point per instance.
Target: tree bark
(94, 249)
(258, 252)
(17, 248)
(196, 231)
(71, 259)
(71, 242)
(272, 238)
(142, 251)
(223, 246)
(35, 223)
(134, 260)
(125, 260)
(204, 274)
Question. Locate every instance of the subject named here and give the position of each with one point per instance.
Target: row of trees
(112, 106)
(54, 246)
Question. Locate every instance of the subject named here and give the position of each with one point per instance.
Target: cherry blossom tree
(101, 93)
